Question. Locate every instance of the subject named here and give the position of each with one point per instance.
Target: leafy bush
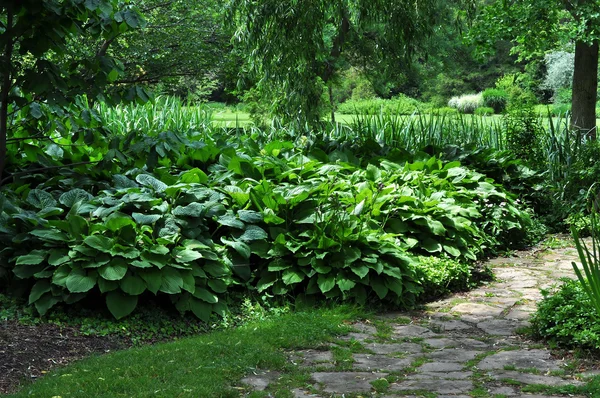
(496, 99)
(441, 275)
(400, 105)
(484, 111)
(567, 317)
(523, 134)
(518, 87)
(467, 103)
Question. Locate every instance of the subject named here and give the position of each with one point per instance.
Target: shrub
(441, 275)
(466, 103)
(523, 134)
(400, 105)
(517, 86)
(567, 317)
(495, 98)
(484, 111)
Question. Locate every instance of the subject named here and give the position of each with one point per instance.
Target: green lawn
(210, 365)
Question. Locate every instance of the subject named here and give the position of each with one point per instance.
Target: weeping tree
(41, 67)
(294, 49)
(538, 26)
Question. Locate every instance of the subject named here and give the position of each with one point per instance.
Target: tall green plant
(589, 258)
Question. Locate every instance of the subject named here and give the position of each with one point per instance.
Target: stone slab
(434, 385)
(453, 355)
(380, 362)
(528, 378)
(404, 348)
(520, 359)
(261, 380)
(499, 327)
(346, 382)
(477, 310)
(440, 367)
(441, 375)
(412, 331)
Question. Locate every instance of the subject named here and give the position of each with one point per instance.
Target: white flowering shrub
(559, 71)
(467, 103)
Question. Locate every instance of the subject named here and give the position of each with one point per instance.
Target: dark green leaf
(120, 305)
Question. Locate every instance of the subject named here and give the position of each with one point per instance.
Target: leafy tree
(535, 26)
(296, 48)
(39, 69)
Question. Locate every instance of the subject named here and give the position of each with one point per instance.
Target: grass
(210, 365)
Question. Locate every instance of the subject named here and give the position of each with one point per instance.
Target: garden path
(466, 345)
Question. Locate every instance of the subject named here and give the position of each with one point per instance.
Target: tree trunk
(585, 88)
(331, 102)
(5, 89)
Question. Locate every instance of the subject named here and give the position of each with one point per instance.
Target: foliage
(291, 74)
(441, 275)
(590, 277)
(518, 86)
(559, 74)
(400, 105)
(467, 103)
(484, 111)
(496, 99)
(523, 134)
(567, 317)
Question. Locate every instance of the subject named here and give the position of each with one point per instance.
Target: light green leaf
(184, 256)
(99, 243)
(326, 282)
(253, 233)
(231, 221)
(40, 199)
(250, 216)
(205, 295)
(113, 271)
(79, 281)
(240, 247)
(345, 284)
(172, 282)
(33, 258)
(146, 219)
(73, 196)
(151, 182)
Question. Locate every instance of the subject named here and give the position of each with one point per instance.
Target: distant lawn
(210, 365)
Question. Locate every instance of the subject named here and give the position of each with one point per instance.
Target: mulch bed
(28, 352)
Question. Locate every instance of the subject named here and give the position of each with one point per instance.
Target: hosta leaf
(118, 220)
(145, 219)
(99, 243)
(191, 210)
(151, 182)
(351, 254)
(359, 208)
(125, 251)
(395, 285)
(122, 182)
(78, 226)
(201, 309)
(133, 285)
(50, 235)
(158, 260)
(172, 282)
(217, 285)
(378, 285)
(79, 281)
(33, 258)
(107, 286)
(291, 276)
(194, 176)
(250, 216)
(113, 271)
(40, 199)
(96, 261)
(345, 284)
(141, 264)
(185, 256)
(278, 265)
(60, 276)
(44, 303)
(360, 270)
(58, 257)
(189, 281)
(266, 282)
(40, 287)
(253, 233)
(231, 221)
(158, 249)
(120, 305)
(240, 247)
(153, 278)
(431, 245)
(271, 218)
(50, 212)
(205, 295)
(73, 196)
(240, 197)
(326, 282)
(453, 251)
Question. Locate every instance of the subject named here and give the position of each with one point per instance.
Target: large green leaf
(44, 303)
(58, 257)
(133, 285)
(379, 286)
(253, 233)
(172, 282)
(291, 277)
(80, 281)
(151, 182)
(146, 219)
(345, 284)
(51, 235)
(231, 221)
(191, 210)
(153, 278)
(240, 247)
(201, 309)
(40, 199)
(40, 287)
(33, 258)
(250, 216)
(118, 220)
(184, 256)
(73, 196)
(205, 295)
(326, 282)
(120, 305)
(113, 271)
(100, 243)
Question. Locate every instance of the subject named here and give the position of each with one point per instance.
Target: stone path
(463, 346)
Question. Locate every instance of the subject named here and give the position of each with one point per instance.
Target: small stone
(346, 382)
(434, 385)
(440, 367)
(454, 355)
(520, 359)
(527, 378)
(380, 362)
(499, 327)
(412, 331)
(404, 348)
(477, 310)
(261, 380)
(313, 358)
(364, 328)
